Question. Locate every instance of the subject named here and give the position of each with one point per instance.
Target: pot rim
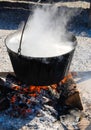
(74, 40)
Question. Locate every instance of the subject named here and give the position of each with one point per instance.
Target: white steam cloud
(45, 34)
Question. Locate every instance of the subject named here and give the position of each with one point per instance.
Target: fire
(69, 76)
(34, 90)
(13, 99)
(54, 86)
(37, 88)
(22, 96)
(33, 95)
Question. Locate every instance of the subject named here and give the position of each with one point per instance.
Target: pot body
(40, 71)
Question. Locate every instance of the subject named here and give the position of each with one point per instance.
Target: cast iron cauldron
(41, 71)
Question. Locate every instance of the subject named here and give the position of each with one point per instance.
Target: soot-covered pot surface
(41, 71)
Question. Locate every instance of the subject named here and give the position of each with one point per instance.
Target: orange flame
(54, 86)
(16, 87)
(33, 91)
(13, 99)
(37, 88)
(69, 76)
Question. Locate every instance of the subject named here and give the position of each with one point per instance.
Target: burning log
(12, 94)
(74, 101)
(20, 96)
(23, 98)
(69, 97)
(5, 85)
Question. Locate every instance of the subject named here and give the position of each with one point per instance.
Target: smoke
(46, 29)
(46, 32)
(47, 24)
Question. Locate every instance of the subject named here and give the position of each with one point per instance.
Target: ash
(43, 109)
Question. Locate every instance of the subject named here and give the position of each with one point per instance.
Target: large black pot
(41, 71)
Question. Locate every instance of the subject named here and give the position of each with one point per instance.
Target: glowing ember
(25, 99)
(69, 76)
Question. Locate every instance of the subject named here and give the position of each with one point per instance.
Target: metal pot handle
(19, 49)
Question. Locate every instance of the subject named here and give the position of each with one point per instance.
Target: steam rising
(45, 34)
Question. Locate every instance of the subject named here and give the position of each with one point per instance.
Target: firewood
(74, 101)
